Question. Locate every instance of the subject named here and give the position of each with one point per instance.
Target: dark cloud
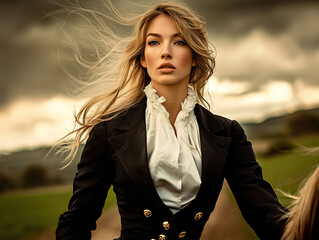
(30, 41)
(29, 66)
(237, 18)
(289, 24)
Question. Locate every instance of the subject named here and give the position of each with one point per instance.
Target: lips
(166, 65)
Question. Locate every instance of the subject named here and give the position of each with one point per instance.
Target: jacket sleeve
(255, 197)
(91, 184)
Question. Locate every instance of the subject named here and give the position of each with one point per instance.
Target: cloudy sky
(267, 63)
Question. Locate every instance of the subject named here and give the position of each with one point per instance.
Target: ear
(143, 62)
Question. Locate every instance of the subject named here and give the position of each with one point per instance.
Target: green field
(286, 171)
(26, 214)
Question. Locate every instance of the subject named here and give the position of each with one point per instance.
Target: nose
(166, 52)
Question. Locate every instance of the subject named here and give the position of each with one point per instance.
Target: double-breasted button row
(148, 213)
(166, 225)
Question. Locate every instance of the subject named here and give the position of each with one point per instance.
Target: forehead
(163, 25)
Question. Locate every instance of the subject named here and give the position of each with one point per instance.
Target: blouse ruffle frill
(156, 102)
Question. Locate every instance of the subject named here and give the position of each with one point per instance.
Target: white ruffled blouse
(174, 160)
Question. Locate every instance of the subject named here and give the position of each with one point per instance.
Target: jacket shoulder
(125, 119)
(222, 119)
(209, 118)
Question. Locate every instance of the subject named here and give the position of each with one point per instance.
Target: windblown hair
(303, 217)
(118, 79)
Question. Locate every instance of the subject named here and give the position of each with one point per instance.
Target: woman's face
(167, 57)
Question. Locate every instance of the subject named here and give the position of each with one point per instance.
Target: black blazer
(115, 154)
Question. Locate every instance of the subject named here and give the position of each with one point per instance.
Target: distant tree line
(34, 175)
(300, 123)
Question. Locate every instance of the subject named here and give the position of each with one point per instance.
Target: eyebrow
(158, 35)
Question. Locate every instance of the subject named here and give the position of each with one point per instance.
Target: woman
(165, 155)
(303, 218)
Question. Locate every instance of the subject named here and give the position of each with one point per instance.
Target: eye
(180, 43)
(152, 43)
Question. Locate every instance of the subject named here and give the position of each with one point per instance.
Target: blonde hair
(303, 217)
(123, 68)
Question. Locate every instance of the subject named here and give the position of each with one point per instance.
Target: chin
(169, 82)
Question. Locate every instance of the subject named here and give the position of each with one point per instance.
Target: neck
(174, 96)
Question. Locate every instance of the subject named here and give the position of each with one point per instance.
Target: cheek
(185, 57)
(149, 57)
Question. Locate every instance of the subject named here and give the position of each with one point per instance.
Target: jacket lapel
(130, 146)
(214, 146)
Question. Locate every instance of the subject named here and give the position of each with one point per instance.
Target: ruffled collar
(154, 101)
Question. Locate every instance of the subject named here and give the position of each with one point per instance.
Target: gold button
(147, 213)
(182, 235)
(162, 237)
(198, 216)
(166, 225)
